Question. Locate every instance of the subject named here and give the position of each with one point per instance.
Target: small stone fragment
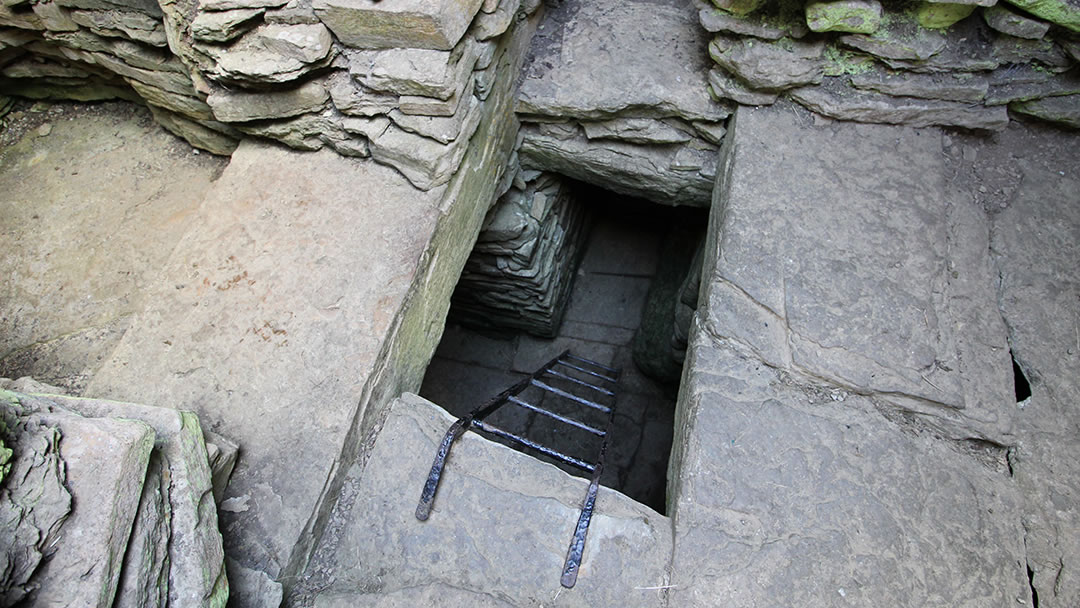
(723, 86)
(854, 16)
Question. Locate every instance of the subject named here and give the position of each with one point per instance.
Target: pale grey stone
(1034, 248)
(34, 501)
(443, 129)
(1014, 24)
(273, 53)
(22, 19)
(136, 26)
(1062, 12)
(105, 460)
(724, 86)
(174, 82)
(638, 131)
(949, 87)
(196, 572)
(963, 51)
(231, 5)
(488, 25)
(231, 106)
(352, 99)
(431, 106)
(191, 107)
(1024, 83)
(420, 24)
(222, 26)
(901, 38)
(146, 7)
(420, 72)
(642, 57)
(919, 254)
(294, 12)
(838, 101)
(854, 16)
(625, 168)
(221, 455)
(710, 131)
(249, 587)
(626, 540)
(770, 66)
(32, 67)
(214, 140)
(715, 21)
(144, 578)
(54, 17)
(305, 132)
(1063, 109)
(1009, 50)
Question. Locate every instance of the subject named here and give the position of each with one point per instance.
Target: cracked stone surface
(1027, 179)
(499, 530)
(874, 276)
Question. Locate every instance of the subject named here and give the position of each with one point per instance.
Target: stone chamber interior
(620, 312)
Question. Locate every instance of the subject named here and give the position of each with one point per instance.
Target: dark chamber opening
(627, 309)
(1020, 381)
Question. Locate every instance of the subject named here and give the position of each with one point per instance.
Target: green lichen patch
(839, 62)
(853, 16)
(937, 16)
(1061, 12)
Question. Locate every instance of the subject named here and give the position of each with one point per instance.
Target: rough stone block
(222, 26)
(1063, 110)
(419, 24)
(231, 106)
(213, 140)
(940, 15)
(128, 24)
(723, 85)
(420, 72)
(770, 66)
(1065, 13)
(272, 53)
(950, 87)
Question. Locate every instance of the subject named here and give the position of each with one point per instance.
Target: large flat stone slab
(603, 58)
(421, 24)
(275, 353)
(789, 493)
(1029, 182)
(861, 266)
(91, 212)
(499, 531)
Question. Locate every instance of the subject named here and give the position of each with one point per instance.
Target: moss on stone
(936, 16)
(856, 17)
(839, 62)
(1061, 12)
(738, 7)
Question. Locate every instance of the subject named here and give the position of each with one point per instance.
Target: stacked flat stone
(966, 63)
(108, 504)
(520, 273)
(638, 120)
(402, 82)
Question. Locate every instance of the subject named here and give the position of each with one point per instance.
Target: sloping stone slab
(838, 101)
(874, 276)
(626, 168)
(899, 39)
(500, 527)
(230, 106)
(1014, 24)
(600, 59)
(417, 24)
(793, 494)
(949, 87)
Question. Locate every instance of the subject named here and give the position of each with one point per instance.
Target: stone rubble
(109, 503)
(295, 72)
(523, 265)
(925, 66)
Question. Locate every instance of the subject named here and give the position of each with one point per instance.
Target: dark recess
(1020, 381)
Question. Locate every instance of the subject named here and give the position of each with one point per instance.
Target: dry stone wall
(521, 270)
(401, 82)
(963, 64)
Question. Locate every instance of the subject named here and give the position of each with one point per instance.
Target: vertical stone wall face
(403, 83)
(965, 64)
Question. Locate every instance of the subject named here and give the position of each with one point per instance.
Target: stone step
(498, 533)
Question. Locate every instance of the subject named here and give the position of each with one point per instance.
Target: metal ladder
(589, 378)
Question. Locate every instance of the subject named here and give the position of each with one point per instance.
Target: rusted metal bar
(562, 393)
(602, 391)
(546, 451)
(585, 371)
(563, 419)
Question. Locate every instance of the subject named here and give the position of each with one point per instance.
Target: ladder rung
(562, 393)
(557, 455)
(570, 421)
(585, 371)
(581, 382)
(592, 363)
